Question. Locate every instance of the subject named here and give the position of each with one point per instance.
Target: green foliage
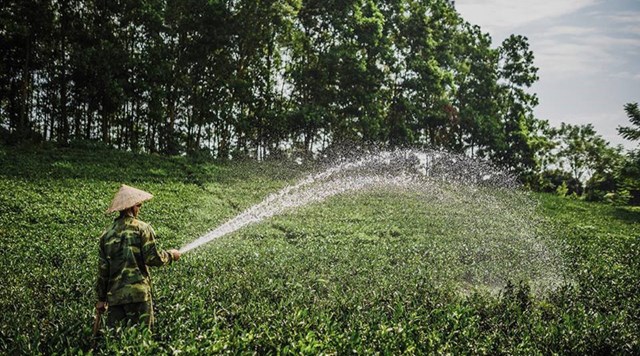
(628, 174)
(517, 71)
(255, 79)
(631, 132)
(577, 156)
(352, 275)
(562, 189)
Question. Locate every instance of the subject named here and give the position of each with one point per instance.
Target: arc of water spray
(381, 169)
(313, 188)
(497, 223)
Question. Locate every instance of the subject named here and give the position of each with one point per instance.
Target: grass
(378, 272)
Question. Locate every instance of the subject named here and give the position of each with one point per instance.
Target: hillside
(375, 272)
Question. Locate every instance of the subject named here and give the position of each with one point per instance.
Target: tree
(579, 149)
(516, 73)
(477, 92)
(253, 78)
(591, 163)
(629, 174)
(605, 178)
(26, 35)
(424, 72)
(312, 73)
(631, 133)
(543, 142)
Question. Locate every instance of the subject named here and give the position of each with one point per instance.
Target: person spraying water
(126, 249)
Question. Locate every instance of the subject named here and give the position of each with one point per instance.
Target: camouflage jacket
(127, 247)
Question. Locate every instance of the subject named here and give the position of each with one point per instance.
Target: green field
(358, 274)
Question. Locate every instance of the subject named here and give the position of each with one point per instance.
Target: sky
(587, 52)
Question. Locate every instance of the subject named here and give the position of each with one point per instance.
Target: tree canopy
(260, 79)
(254, 78)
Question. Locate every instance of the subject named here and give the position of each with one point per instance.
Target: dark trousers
(132, 313)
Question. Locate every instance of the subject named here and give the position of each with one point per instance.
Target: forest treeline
(249, 78)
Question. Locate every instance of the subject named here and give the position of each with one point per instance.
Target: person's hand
(175, 254)
(101, 306)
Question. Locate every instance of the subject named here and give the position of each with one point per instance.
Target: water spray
(495, 220)
(398, 168)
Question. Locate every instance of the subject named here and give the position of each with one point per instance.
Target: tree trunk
(198, 136)
(63, 137)
(22, 125)
(77, 131)
(223, 142)
(106, 137)
(169, 128)
(14, 110)
(87, 133)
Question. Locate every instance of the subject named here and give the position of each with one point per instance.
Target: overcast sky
(588, 52)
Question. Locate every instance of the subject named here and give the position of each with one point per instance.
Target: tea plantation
(356, 274)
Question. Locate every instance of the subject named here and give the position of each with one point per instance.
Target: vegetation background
(354, 274)
(266, 79)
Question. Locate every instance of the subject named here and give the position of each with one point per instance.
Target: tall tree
(517, 74)
(251, 78)
(425, 76)
(629, 173)
(477, 92)
(311, 73)
(631, 132)
(26, 34)
(581, 151)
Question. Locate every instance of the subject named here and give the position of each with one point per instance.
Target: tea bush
(360, 274)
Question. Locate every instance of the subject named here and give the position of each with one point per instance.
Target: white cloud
(621, 22)
(555, 58)
(630, 17)
(626, 75)
(499, 16)
(562, 50)
(564, 30)
(603, 41)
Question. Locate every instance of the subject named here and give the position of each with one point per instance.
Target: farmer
(127, 247)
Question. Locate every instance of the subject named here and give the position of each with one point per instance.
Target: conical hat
(127, 197)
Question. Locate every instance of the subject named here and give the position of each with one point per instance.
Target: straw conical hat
(127, 197)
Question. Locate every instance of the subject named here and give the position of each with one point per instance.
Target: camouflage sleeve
(102, 284)
(153, 256)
